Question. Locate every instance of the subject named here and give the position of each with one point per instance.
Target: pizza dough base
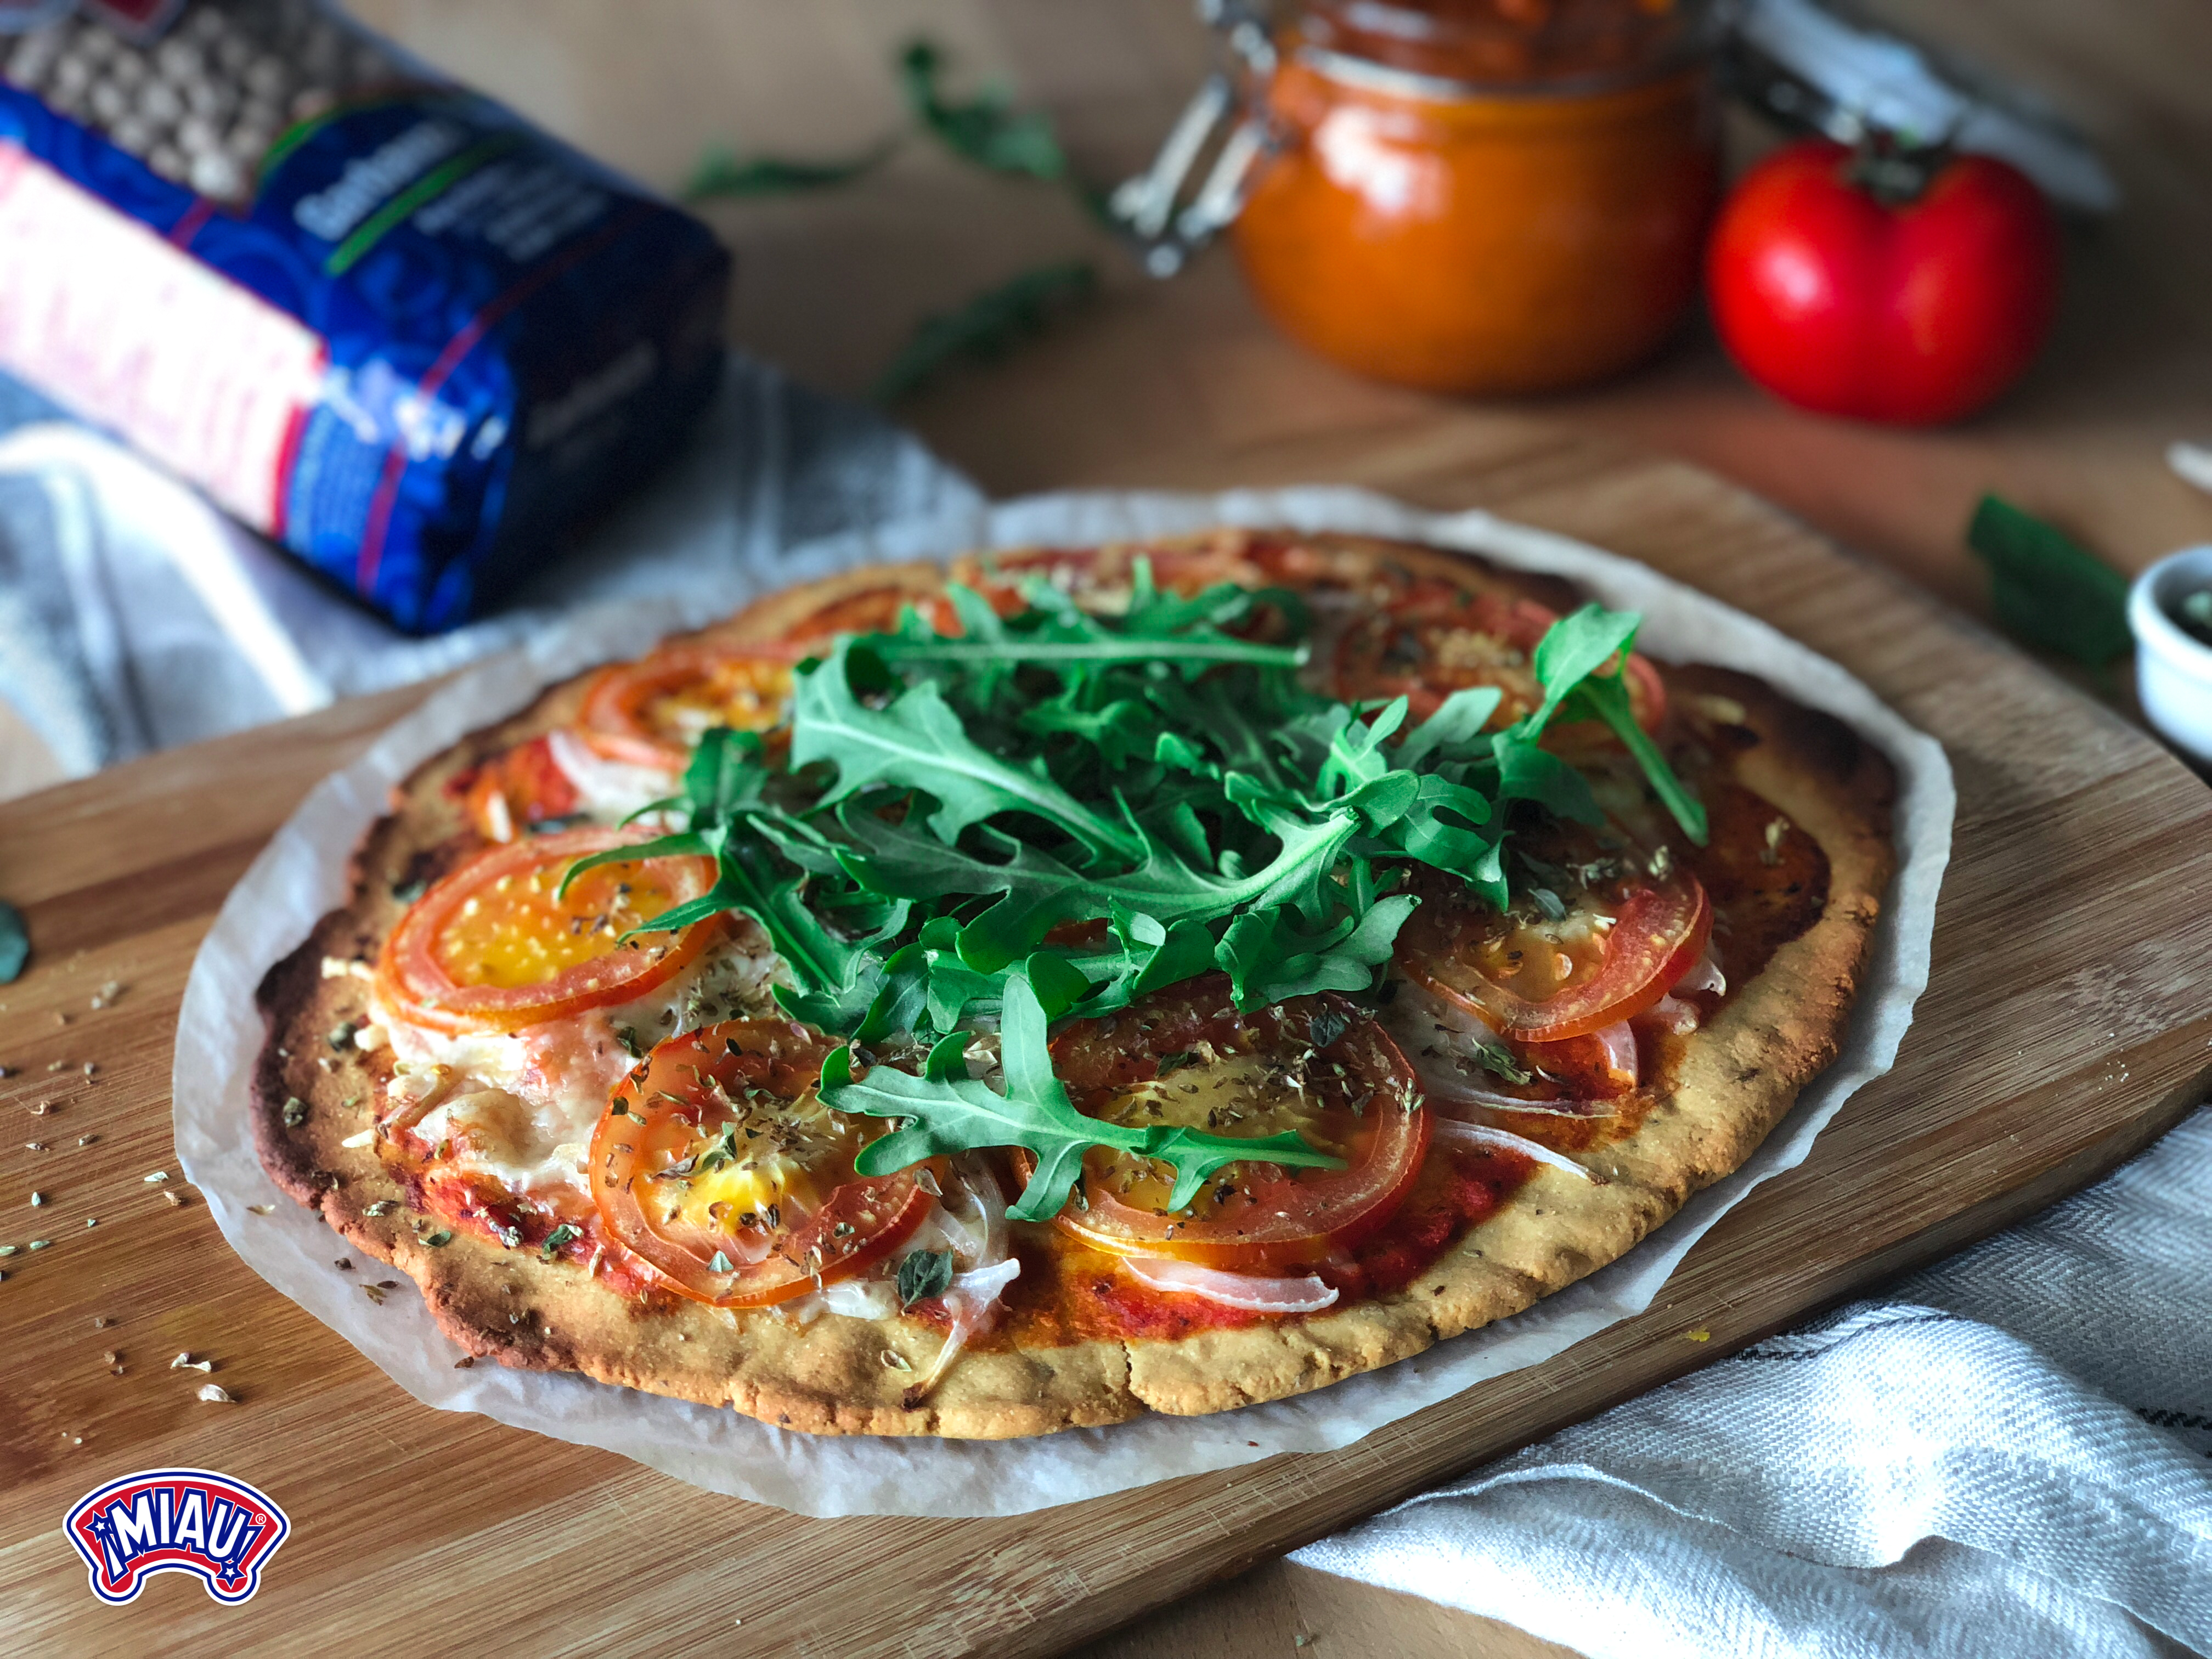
(1738, 1076)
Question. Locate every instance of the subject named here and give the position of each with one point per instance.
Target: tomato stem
(1895, 169)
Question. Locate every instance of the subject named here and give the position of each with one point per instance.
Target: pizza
(987, 1000)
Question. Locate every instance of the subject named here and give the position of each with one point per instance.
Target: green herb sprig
(986, 129)
(722, 174)
(987, 325)
(2046, 589)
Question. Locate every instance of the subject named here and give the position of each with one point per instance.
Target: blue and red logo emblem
(176, 1521)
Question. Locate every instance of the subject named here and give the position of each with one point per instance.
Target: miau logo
(176, 1521)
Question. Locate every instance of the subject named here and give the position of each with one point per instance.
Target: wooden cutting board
(2064, 1028)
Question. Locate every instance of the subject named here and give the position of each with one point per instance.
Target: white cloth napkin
(2012, 1458)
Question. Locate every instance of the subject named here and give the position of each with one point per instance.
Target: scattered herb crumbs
(555, 1240)
(439, 1239)
(295, 1112)
(381, 1206)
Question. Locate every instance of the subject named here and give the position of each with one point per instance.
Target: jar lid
(1813, 63)
(1447, 48)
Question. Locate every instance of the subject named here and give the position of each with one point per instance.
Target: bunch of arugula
(951, 804)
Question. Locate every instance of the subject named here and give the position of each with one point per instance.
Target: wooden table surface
(2063, 1027)
(1181, 384)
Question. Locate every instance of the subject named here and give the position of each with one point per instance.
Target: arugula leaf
(1566, 661)
(1037, 892)
(837, 975)
(15, 943)
(1572, 649)
(1526, 772)
(916, 741)
(1191, 654)
(1455, 730)
(1269, 958)
(943, 811)
(2046, 589)
(944, 1114)
(1158, 955)
(1607, 696)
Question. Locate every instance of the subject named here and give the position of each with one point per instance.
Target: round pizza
(986, 1000)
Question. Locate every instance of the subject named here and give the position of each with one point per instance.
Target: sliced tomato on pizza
(497, 945)
(717, 1165)
(1319, 1066)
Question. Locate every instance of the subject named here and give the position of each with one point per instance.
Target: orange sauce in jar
(1485, 196)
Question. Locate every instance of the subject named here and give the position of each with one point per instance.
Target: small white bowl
(2173, 668)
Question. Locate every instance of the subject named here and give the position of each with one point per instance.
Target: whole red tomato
(1915, 311)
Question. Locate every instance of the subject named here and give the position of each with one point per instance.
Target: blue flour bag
(377, 317)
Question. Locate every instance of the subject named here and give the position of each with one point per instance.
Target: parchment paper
(300, 874)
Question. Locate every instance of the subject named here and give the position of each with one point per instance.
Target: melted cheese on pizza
(518, 1108)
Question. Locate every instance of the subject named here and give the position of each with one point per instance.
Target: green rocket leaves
(1056, 812)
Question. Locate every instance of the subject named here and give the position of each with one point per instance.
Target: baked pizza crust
(1739, 1075)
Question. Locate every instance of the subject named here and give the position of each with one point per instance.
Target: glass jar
(1477, 196)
